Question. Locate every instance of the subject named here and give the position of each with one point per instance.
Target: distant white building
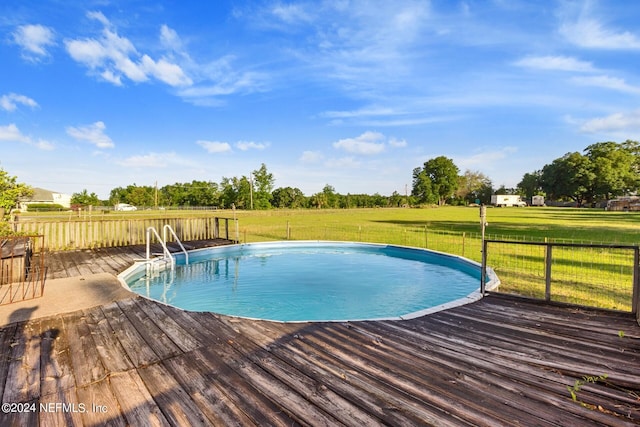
(40, 195)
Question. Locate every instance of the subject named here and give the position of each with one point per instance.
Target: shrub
(45, 207)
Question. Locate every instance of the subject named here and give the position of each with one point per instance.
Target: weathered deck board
(183, 339)
(136, 349)
(6, 345)
(109, 346)
(194, 376)
(23, 373)
(172, 399)
(85, 359)
(56, 371)
(152, 335)
(136, 403)
(302, 407)
(99, 395)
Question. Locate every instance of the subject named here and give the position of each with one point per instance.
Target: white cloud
(170, 39)
(10, 102)
(215, 146)
(590, 33)
(291, 13)
(607, 82)
(368, 143)
(165, 71)
(11, 133)
(216, 85)
(362, 112)
(43, 145)
(154, 160)
(618, 122)
(311, 157)
(485, 159)
(342, 163)
(93, 133)
(398, 143)
(250, 145)
(560, 63)
(113, 57)
(34, 41)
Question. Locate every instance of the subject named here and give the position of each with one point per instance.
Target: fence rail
(594, 275)
(81, 234)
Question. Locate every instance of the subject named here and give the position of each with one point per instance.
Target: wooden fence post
(547, 273)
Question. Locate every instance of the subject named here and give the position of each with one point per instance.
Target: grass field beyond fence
(592, 275)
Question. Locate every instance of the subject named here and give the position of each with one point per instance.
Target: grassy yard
(557, 224)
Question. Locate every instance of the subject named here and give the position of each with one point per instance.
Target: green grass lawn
(556, 224)
(588, 225)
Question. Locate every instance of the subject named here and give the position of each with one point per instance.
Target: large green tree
(236, 192)
(85, 198)
(615, 167)
(569, 176)
(138, 195)
(531, 184)
(263, 187)
(474, 185)
(194, 193)
(437, 179)
(288, 197)
(604, 171)
(11, 191)
(421, 187)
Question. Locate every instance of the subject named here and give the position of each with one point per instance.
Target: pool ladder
(155, 265)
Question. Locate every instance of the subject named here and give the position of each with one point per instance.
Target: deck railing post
(547, 273)
(216, 228)
(483, 271)
(226, 228)
(636, 284)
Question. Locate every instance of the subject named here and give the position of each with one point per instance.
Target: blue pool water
(298, 281)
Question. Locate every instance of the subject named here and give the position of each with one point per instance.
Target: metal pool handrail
(164, 235)
(166, 252)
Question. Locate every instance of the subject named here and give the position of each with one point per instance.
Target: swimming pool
(312, 281)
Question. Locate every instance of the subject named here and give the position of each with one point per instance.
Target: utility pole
(406, 194)
(251, 188)
(156, 195)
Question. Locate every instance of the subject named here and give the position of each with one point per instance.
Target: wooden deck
(499, 361)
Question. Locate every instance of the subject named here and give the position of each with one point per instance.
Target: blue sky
(355, 94)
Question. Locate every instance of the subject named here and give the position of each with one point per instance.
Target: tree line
(256, 191)
(603, 170)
